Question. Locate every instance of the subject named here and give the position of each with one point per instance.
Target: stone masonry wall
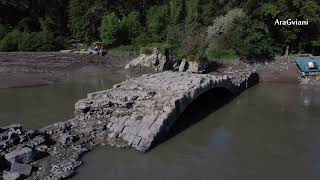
(139, 111)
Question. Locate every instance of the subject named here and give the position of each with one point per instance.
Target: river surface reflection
(269, 132)
(36, 107)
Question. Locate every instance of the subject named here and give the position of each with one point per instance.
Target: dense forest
(194, 29)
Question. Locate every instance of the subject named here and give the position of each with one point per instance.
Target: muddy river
(271, 131)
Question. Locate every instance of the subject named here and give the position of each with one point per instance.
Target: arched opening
(199, 109)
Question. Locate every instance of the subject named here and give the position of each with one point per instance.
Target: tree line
(193, 29)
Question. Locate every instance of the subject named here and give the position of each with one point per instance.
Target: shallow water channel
(36, 107)
(269, 132)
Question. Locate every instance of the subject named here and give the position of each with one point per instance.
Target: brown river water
(269, 132)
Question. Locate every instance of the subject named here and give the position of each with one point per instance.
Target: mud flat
(20, 69)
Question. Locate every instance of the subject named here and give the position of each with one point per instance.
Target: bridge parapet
(138, 111)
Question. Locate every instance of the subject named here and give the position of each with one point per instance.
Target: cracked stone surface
(138, 111)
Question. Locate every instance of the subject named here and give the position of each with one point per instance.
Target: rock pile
(48, 153)
(310, 80)
(161, 62)
(193, 66)
(156, 60)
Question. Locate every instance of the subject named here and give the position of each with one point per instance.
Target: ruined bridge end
(138, 111)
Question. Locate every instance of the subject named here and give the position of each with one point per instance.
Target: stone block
(118, 128)
(126, 129)
(183, 65)
(11, 176)
(136, 141)
(134, 130)
(23, 169)
(130, 139)
(144, 131)
(109, 125)
(24, 155)
(67, 139)
(13, 127)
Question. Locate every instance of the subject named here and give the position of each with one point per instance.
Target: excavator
(97, 49)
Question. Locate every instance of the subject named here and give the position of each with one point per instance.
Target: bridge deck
(138, 111)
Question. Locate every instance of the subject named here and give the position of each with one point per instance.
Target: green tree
(207, 11)
(177, 11)
(156, 22)
(295, 38)
(110, 30)
(131, 26)
(4, 29)
(85, 18)
(193, 15)
(250, 39)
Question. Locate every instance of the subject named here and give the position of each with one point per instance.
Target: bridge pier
(137, 112)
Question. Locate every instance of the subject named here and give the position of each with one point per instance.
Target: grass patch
(162, 47)
(125, 48)
(225, 56)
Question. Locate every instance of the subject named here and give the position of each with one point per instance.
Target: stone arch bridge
(138, 111)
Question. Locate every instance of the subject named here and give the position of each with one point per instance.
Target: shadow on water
(198, 110)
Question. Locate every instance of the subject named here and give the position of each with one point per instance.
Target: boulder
(67, 139)
(24, 155)
(13, 127)
(183, 65)
(156, 60)
(11, 176)
(23, 169)
(198, 66)
(38, 140)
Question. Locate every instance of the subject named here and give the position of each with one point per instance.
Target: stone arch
(140, 111)
(219, 95)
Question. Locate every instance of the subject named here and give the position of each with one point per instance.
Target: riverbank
(22, 69)
(281, 70)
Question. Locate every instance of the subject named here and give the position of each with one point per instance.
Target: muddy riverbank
(22, 69)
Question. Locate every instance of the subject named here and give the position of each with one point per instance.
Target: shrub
(193, 15)
(192, 46)
(10, 42)
(110, 30)
(131, 26)
(177, 8)
(4, 29)
(142, 40)
(235, 31)
(164, 48)
(250, 39)
(146, 50)
(173, 36)
(125, 48)
(39, 41)
(221, 55)
(35, 41)
(156, 22)
(223, 23)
